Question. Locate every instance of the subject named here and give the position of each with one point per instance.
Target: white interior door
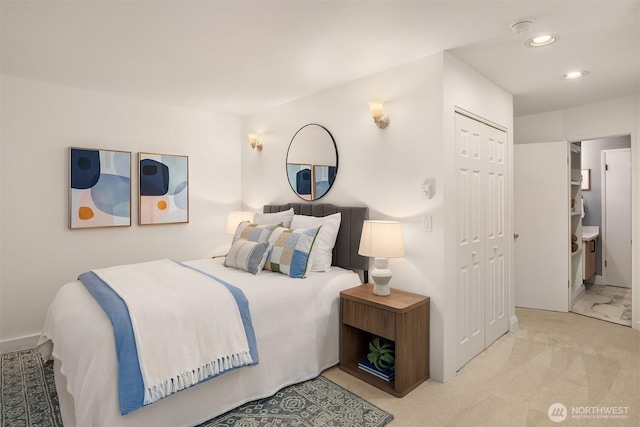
(470, 253)
(541, 198)
(482, 314)
(495, 231)
(616, 215)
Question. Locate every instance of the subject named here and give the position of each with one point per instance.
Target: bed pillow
(290, 251)
(248, 256)
(283, 217)
(322, 253)
(254, 232)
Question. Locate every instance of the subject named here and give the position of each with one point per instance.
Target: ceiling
(240, 57)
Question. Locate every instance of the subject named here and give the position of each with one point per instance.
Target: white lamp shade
(381, 239)
(235, 218)
(376, 108)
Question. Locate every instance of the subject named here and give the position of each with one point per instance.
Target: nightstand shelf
(402, 317)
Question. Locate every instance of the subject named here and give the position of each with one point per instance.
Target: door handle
(516, 235)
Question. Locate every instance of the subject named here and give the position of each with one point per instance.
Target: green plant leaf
(381, 356)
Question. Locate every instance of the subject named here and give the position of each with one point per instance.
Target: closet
(481, 255)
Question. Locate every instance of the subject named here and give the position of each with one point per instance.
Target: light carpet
(582, 363)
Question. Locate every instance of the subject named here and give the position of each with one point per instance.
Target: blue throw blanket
(133, 392)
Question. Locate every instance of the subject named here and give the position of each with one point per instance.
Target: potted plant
(381, 354)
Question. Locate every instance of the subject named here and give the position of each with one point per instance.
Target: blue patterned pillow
(254, 232)
(247, 256)
(290, 251)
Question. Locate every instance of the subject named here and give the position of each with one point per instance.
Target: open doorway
(606, 225)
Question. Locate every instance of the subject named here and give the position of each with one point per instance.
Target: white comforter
(296, 326)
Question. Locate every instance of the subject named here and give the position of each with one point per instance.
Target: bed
(296, 330)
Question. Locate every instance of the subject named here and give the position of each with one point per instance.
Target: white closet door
(617, 216)
(541, 198)
(470, 253)
(481, 262)
(496, 300)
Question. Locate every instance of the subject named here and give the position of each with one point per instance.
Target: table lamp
(381, 240)
(235, 218)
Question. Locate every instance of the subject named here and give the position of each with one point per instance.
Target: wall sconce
(255, 141)
(381, 120)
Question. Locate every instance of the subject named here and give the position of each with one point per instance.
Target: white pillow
(283, 217)
(322, 251)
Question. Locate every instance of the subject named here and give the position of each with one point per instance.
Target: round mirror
(312, 162)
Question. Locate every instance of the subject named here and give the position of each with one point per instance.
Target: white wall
(384, 169)
(39, 254)
(380, 168)
(615, 117)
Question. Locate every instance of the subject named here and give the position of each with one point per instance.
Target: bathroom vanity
(590, 236)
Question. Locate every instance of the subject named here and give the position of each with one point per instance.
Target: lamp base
(381, 276)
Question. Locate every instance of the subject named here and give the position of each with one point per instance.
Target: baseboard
(513, 324)
(18, 344)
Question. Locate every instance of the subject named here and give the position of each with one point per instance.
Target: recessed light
(575, 75)
(542, 40)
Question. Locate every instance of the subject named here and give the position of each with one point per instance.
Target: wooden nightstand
(402, 317)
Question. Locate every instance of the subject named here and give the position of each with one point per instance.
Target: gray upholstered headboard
(345, 252)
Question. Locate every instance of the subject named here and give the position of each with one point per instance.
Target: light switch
(426, 223)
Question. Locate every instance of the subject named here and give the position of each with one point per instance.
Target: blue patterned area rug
(317, 402)
(27, 391)
(28, 398)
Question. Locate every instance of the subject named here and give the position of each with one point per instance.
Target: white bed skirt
(297, 331)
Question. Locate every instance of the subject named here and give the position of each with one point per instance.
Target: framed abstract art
(163, 189)
(100, 188)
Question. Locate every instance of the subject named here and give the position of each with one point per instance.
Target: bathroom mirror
(312, 162)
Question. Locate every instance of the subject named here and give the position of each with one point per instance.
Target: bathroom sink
(590, 232)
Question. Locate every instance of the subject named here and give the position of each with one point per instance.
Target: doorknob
(516, 235)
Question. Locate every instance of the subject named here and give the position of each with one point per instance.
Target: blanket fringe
(156, 392)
